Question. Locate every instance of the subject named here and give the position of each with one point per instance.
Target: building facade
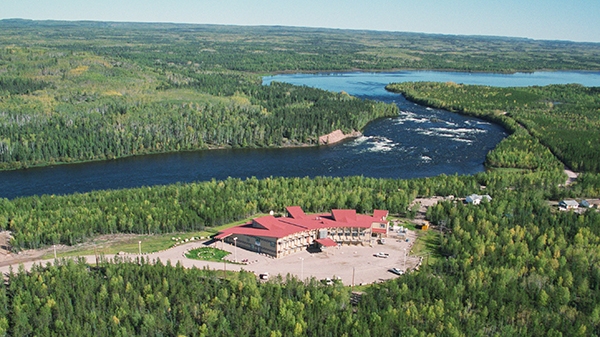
(281, 236)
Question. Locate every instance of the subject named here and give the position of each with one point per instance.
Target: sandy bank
(337, 136)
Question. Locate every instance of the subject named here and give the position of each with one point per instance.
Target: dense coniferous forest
(77, 91)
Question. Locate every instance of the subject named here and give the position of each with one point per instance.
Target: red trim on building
(379, 230)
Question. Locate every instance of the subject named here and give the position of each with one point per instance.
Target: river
(420, 142)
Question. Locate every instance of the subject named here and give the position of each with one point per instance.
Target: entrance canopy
(327, 242)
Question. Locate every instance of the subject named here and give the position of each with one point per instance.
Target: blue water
(366, 84)
(420, 142)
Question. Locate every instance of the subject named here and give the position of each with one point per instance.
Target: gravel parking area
(344, 262)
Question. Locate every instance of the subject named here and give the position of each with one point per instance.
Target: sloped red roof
(380, 214)
(269, 226)
(222, 235)
(296, 212)
(327, 242)
(344, 215)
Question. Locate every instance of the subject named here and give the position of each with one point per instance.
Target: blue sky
(575, 20)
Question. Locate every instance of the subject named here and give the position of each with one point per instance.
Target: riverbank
(337, 136)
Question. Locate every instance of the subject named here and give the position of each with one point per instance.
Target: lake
(420, 142)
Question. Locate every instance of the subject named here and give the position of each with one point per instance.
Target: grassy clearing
(130, 243)
(426, 244)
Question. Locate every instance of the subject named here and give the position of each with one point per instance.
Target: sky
(574, 20)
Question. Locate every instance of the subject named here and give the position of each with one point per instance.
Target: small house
(476, 199)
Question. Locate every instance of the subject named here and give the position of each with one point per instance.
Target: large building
(280, 236)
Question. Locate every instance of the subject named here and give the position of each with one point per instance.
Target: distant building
(568, 204)
(476, 199)
(297, 231)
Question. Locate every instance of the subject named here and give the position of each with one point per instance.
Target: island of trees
(86, 91)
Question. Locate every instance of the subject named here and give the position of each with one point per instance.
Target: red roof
(380, 214)
(327, 242)
(296, 212)
(344, 215)
(222, 235)
(269, 226)
(379, 230)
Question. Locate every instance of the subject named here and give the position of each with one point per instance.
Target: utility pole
(235, 249)
(353, 270)
(54, 251)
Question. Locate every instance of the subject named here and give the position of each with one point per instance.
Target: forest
(81, 91)
(91, 109)
(76, 91)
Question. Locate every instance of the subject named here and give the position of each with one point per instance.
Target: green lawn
(207, 254)
(426, 245)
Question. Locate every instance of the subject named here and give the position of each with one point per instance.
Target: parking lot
(344, 262)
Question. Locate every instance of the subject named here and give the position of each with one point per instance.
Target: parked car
(382, 255)
(396, 271)
(327, 281)
(264, 276)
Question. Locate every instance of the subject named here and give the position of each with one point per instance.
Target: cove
(420, 142)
